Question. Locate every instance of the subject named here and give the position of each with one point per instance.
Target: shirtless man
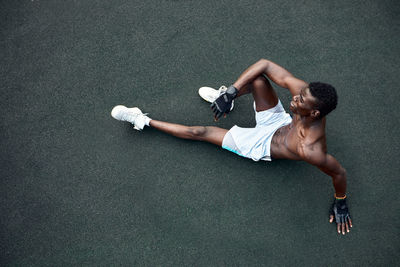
(276, 135)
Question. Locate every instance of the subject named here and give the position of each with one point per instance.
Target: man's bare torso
(294, 141)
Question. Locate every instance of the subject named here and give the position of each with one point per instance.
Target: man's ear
(315, 113)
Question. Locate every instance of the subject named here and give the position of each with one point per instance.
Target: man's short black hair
(326, 97)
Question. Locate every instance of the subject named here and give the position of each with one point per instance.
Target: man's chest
(301, 141)
(294, 140)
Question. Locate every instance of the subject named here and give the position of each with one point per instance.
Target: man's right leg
(264, 94)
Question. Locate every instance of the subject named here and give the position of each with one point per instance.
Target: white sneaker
(210, 94)
(132, 115)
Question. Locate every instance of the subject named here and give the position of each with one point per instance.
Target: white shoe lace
(137, 119)
(128, 116)
(222, 89)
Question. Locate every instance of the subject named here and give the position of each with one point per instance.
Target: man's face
(304, 103)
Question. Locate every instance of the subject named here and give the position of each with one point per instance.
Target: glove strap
(232, 91)
(340, 197)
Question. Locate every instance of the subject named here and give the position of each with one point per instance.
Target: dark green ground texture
(80, 188)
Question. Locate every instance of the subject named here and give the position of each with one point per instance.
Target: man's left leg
(214, 135)
(211, 134)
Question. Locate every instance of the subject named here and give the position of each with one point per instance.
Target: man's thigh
(211, 134)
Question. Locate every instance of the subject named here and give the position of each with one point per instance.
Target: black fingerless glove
(340, 210)
(223, 103)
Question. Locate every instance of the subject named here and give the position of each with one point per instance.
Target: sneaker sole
(208, 94)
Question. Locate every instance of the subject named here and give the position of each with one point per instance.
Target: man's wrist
(232, 91)
(342, 196)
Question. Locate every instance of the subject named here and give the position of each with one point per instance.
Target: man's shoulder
(314, 153)
(313, 146)
(315, 137)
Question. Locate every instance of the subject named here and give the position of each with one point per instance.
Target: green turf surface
(79, 188)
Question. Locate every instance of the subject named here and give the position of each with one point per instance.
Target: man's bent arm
(273, 71)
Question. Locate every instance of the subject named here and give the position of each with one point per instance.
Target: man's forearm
(339, 183)
(273, 72)
(251, 73)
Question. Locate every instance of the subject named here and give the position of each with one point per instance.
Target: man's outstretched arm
(332, 167)
(339, 211)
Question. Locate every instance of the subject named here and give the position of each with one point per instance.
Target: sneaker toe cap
(116, 110)
(208, 94)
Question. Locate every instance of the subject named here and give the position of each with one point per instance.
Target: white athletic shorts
(255, 143)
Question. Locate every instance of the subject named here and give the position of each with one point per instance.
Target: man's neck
(309, 122)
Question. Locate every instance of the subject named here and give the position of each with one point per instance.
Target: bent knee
(260, 81)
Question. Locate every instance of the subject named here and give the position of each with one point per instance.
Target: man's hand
(223, 103)
(340, 212)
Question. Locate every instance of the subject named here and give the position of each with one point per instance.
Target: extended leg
(210, 134)
(135, 116)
